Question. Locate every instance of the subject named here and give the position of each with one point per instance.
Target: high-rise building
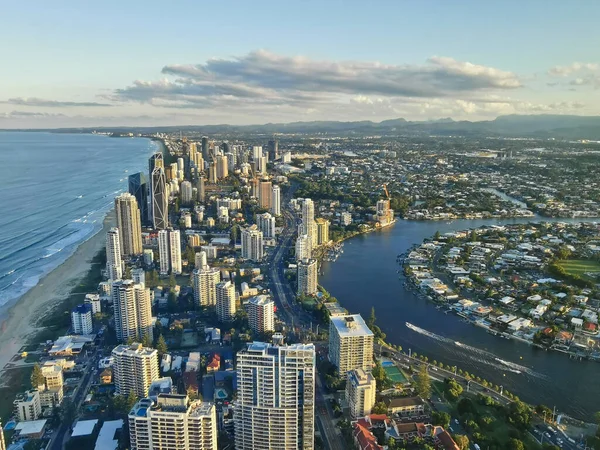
(133, 310)
(261, 314)
(138, 187)
(222, 167)
(205, 154)
(173, 422)
(204, 281)
(186, 192)
(129, 224)
(307, 277)
(212, 172)
(160, 199)
(225, 301)
(308, 225)
(350, 344)
(252, 243)
(360, 393)
(303, 247)
(169, 251)
(266, 223)
(200, 260)
(81, 319)
(276, 201)
(28, 405)
(200, 188)
(322, 231)
(114, 263)
(260, 165)
(273, 149)
(51, 392)
(134, 369)
(345, 218)
(264, 194)
(276, 395)
(257, 152)
(94, 301)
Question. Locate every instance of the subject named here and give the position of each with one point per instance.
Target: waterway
(366, 275)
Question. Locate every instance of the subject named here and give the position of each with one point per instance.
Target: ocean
(366, 275)
(55, 191)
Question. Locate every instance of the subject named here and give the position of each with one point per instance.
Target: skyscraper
(266, 223)
(303, 250)
(261, 314)
(114, 263)
(204, 281)
(134, 369)
(200, 188)
(264, 194)
(276, 201)
(169, 251)
(360, 393)
(273, 149)
(322, 231)
(276, 394)
(186, 192)
(252, 243)
(138, 187)
(81, 319)
(307, 277)
(205, 154)
(222, 167)
(173, 422)
(133, 310)
(225, 301)
(308, 225)
(160, 201)
(350, 344)
(128, 223)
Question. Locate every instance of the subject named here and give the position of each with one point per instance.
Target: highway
(293, 315)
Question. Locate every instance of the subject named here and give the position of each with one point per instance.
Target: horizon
(135, 64)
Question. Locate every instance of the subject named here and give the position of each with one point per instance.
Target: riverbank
(24, 318)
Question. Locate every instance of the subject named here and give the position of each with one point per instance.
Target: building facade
(129, 224)
(81, 319)
(276, 394)
(205, 282)
(133, 310)
(361, 389)
(134, 369)
(266, 224)
(252, 243)
(303, 247)
(114, 262)
(226, 301)
(322, 231)
(261, 314)
(138, 187)
(160, 199)
(169, 251)
(307, 277)
(276, 201)
(350, 344)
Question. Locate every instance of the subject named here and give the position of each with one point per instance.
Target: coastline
(20, 324)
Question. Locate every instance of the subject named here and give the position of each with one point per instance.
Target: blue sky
(132, 62)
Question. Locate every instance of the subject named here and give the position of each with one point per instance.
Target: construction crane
(387, 194)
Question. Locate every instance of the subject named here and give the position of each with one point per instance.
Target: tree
(161, 345)
(423, 382)
(172, 301)
(462, 441)
(596, 416)
(190, 256)
(37, 377)
(146, 341)
(441, 419)
(172, 281)
(68, 411)
(379, 408)
(371, 320)
(546, 412)
(516, 444)
(519, 414)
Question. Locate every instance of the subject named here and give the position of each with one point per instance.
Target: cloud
(27, 114)
(39, 102)
(563, 71)
(264, 78)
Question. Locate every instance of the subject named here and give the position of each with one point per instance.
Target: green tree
(190, 256)
(519, 414)
(379, 408)
(423, 382)
(596, 417)
(462, 441)
(67, 411)
(441, 419)
(161, 345)
(516, 444)
(172, 281)
(172, 301)
(371, 320)
(146, 341)
(37, 378)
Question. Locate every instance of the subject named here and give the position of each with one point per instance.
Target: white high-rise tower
(129, 224)
(114, 263)
(133, 310)
(276, 395)
(276, 201)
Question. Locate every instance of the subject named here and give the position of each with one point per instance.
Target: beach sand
(19, 324)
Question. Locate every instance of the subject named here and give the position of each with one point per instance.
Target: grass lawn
(581, 267)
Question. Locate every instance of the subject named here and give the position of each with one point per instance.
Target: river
(366, 275)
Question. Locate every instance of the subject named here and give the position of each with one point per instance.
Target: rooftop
(351, 325)
(133, 349)
(31, 427)
(106, 439)
(84, 427)
(260, 300)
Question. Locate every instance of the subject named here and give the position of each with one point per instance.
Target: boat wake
(487, 358)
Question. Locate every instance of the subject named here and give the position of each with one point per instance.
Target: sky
(153, 63)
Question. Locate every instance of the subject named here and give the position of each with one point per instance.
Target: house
(519, 324)
(106, 376)
(443, 439)
(364, 439)
(590, 327)
(576, 322)
(407, 406)
(407, 431)
(214, 364)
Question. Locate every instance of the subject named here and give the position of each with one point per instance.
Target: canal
(366, 275)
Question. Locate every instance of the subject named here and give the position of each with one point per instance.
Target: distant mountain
(532, 126)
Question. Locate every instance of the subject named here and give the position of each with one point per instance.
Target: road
(293, 315)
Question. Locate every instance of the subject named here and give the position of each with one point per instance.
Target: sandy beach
(19, 324)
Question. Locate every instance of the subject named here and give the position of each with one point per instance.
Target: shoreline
(55, 287)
